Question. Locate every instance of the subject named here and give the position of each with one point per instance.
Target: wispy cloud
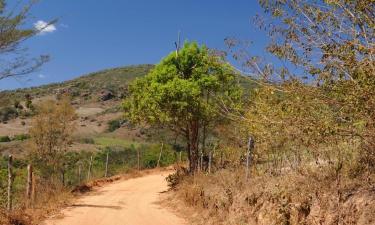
(41, 76)
(63, 25)
(43, 27)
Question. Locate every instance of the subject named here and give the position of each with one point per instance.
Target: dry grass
(292, 198)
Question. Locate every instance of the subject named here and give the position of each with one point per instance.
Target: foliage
(51, 133)
(13, 33)
(7, 113)
(4, 139)
(21, 137)
(323, 109)
(114, 124)
(151, 156)
(184, 92)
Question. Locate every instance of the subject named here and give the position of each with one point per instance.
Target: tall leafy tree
(13, 32)
(185, 92)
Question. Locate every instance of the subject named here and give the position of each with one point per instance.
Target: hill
(97, 99)
(86, 88)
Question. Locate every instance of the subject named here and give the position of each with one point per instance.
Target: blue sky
(94, 35)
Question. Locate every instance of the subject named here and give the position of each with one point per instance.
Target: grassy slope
(115, 80)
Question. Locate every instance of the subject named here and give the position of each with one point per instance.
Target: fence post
(201, 161)
(221, 159)
(106, 165)
(89, 172)
(33, 180)
(29, 186)
(10, 182)
(138, 159)
(250, 146)
(161, 150)
(79, 173)
(209, 161)
(180, 156)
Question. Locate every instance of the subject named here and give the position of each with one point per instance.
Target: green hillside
(87, 87)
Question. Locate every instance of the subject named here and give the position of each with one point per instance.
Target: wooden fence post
(209, 161)
(138, 159)
(201, 161)
(79, 173)
(221, 159)
(106, 165)
(10, 182)
(161, 150)
(89, 172)
(250, 146)
(29, 186)
(33, 191)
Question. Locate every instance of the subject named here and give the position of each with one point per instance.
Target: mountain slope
(87, 88)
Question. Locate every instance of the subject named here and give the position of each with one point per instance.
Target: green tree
(188, 92)
(15, 61)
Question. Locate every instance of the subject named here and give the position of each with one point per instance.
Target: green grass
(110, 142)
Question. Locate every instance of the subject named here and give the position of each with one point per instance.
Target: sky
(95, 35)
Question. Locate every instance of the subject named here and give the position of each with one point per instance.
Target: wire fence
(24, 184)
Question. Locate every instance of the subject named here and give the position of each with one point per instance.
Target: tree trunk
(193, 146)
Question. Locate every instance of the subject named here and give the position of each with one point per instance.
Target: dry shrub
(291, 198)
(16, 217)
(175, 178)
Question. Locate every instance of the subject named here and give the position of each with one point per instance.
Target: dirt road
(128, 202)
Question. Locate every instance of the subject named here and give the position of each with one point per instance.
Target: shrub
(4, 139)
(151, 156)
(114, 124)
(87, 140)
(21, 137)
(8, 113)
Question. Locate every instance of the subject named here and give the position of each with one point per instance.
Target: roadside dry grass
(292, 198)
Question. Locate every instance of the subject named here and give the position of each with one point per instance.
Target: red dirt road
(127, 202)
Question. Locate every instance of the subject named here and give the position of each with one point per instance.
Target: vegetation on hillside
(87, 88)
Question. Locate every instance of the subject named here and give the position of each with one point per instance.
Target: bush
(114, 124)
(87, 140)
(7, 113)
(151, 155)
(21, 137)
(4, 139)
(175, 179)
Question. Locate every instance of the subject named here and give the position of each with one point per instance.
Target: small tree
(184, 92)
(51, 134)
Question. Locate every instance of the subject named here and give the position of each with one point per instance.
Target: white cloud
(41, 76)
(43, 27)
